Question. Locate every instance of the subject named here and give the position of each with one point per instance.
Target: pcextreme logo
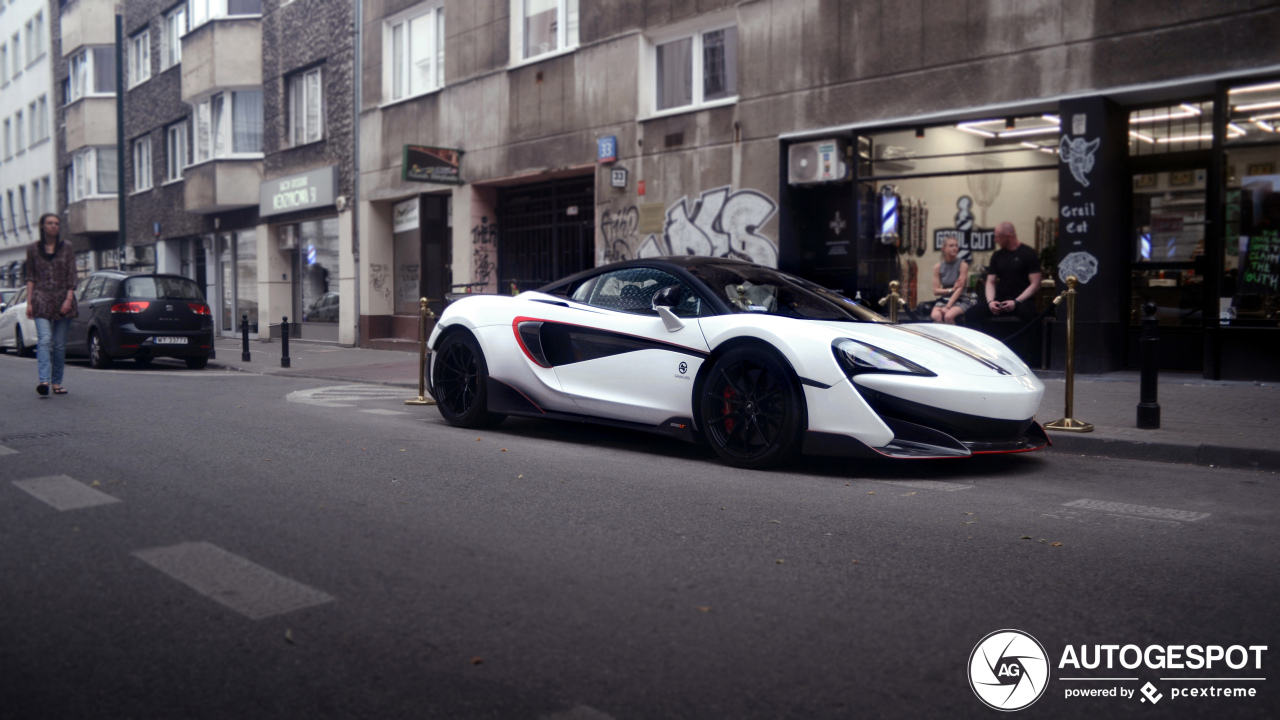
(1008, 670)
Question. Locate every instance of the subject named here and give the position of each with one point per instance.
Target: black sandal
(42, 389)
(59, 390)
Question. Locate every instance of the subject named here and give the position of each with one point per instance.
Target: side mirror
(667, 297)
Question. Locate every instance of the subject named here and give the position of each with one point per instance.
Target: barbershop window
(1250, 288)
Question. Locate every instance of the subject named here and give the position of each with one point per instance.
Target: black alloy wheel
(461, 381)
(197, 363)
(98, 357)
(751, 408)
(22, 349)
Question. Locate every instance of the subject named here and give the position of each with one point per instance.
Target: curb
(313, 376)
(1206, 455)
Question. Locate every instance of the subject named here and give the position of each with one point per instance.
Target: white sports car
(759, 363)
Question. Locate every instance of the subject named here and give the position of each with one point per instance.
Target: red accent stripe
(515, 328)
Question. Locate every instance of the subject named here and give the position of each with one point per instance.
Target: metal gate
(545, 232)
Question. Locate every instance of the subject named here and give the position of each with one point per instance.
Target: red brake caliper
(729, 423)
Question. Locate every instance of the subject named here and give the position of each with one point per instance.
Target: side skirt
(508, 400)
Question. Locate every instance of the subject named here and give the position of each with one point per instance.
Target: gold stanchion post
(894, 299)
(1069, 423)
(423, 313)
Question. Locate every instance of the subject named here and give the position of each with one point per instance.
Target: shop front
(302, 247)
(1169, 197)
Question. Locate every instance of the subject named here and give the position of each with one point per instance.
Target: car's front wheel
(461, 381)
(751, 408)
(98, 357)
(22, 349)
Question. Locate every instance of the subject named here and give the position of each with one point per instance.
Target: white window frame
(177, 151)
(649, 66)
(200, 12)
(567, 34)
(82, 175)
(174, 27)
(397, 72)
(142, 168)
(81, 74)
(139, 58)
(219, 134)
(306, 91)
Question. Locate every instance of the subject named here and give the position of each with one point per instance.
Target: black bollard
(284, 341)
(1148, 408)
(244, 333)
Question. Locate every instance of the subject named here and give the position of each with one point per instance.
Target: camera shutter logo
(1008, 670)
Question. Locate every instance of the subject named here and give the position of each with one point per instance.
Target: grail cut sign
(314, 189)
(431, 164)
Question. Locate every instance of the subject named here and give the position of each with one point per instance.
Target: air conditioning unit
(822, 161)
(893, 158)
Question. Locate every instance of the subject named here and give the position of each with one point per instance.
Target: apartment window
(36, 200)
(202, 11)
(229, 124)
(4, 63)
(696, 69)
(46, 186)
(175, 26)
(548, 26)
(414, 44)
(13, 216)
(92, 72)
(26, 214)
(8, 138)
(16, 44)
(42, 118)
(176, 151)
(19, 133)
(92, 173)
(305, 108)
(31, 31)
(37, 39)
(139, 62)
(33, 123)
(142, 164)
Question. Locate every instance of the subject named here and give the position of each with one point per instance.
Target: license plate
(171, 341)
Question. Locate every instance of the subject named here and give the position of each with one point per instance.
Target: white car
(758, 363)
(17, 331)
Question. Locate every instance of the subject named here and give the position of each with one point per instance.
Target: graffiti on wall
(484, 239)
(380, 281)
(720, 223)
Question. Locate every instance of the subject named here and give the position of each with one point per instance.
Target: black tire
(461, 380)
(752, 409)
(197, 363)
(98, 357)
(22, 349)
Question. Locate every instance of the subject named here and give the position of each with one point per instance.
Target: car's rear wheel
(197, 363)
(751, 408)
(22, 349)
(461, 381)
(98, 357)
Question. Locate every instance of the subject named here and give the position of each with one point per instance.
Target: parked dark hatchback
(141, 317)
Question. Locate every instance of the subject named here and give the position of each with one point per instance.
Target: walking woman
(51, 300)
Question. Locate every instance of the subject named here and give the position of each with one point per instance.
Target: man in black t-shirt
(1013, 277)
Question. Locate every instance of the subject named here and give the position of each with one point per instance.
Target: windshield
(169, 288)
(754, 289)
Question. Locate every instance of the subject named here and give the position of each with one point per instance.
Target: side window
(95, 288)
(110, 287)
(81, 288)
(631, 290)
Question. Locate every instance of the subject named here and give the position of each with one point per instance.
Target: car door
(622, 361)
(78, 333)
(9, 319)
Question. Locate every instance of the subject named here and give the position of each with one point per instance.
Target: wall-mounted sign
(404, 216)
(304, 191)
(652, 218)
(431, 164)
(639, 187)
(607, 149)
(618, 177)
(571, 210)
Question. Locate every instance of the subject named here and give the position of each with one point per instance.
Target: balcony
(221, 54)
(95, 215)
(91, 121)
(219, 185)
(88, 22)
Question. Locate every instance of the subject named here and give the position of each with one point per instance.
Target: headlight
(857, 357)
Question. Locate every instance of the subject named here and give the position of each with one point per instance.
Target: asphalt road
(255, 546)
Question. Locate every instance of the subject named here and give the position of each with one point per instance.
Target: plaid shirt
(53, 278)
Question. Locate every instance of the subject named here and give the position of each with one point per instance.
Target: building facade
(1132, 145)
(27, 102)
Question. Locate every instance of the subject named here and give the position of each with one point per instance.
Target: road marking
(1140, 510)
(243, 586)
(1146, 520)
(345, 395)
(7, 450)
(384, 412)
(927, 485)
(64, 493)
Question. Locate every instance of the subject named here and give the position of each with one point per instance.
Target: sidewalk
(1203, 422)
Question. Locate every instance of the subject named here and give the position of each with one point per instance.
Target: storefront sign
(432, 165)
(607, 149)
(976, 240)
(404, 216)
(314, 189)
